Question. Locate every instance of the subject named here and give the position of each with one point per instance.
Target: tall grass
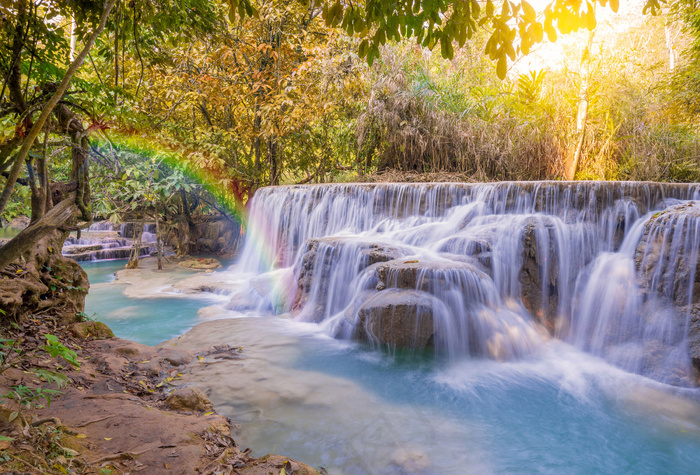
(425, 114)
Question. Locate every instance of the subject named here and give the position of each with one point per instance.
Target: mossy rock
(200, 263)
(85, 330)
(189, 399)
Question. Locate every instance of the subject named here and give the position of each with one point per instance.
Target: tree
(515, 26)
(79, 169)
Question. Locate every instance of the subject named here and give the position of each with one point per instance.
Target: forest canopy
(254, 93)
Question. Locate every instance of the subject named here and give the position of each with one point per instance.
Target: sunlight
(565, 52)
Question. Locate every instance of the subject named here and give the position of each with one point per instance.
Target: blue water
(357, 411)
(147, 321)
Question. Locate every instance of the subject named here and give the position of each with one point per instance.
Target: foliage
(9, 353)
(28, 397)
(55, 348)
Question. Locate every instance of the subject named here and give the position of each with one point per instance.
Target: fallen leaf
(108, 438)
(81, 436)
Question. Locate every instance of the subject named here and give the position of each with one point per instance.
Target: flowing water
(591, 374)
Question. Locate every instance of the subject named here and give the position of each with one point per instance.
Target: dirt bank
(120, 411)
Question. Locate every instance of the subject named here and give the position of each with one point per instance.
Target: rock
(667, 257)
(541, 299)
(85, 330)
(200, 263)
(152, 368)
(694, 337)
(210, 234)
(176, 357)
(399, 318)
(274, 464)
(428, 275)
(320, 261)
(189, 399)
(128, 352)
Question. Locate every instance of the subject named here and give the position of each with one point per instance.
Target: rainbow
(229, 194)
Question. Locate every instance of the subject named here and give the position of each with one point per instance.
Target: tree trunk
(671, 35)
(48, 108)
(582, 114)
(136, 246)
(64, 212)
(73, 38)
(272, 154)
(256, 142)
(191, 226)
(159, 243)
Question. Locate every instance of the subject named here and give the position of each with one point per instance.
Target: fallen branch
(118, 456)
(83, 424)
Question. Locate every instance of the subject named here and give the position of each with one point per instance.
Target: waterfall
(487, 270)
(104, 240)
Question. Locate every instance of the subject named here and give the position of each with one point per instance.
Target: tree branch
(36, 128)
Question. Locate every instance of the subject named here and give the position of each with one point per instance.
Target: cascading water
(104, 240)
(487, 270)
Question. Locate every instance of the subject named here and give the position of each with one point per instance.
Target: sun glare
(555, 56)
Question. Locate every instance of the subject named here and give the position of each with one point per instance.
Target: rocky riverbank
(123, 410)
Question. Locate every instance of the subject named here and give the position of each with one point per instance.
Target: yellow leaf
(108, 438)
(81, 436)
(209, 413)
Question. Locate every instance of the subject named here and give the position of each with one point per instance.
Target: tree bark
(64, 212)
(48, 108)
(136, 246)
(159, 242)
(582, 114)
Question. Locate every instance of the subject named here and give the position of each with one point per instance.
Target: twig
(83, 424)
(117, 456)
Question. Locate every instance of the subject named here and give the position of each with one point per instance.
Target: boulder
(321, 259)
(694, 337)
(189, 399)
(429, 274)
(85, 330)
(200, 263)
(540, 298)
(667, 257)
(398, 318)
